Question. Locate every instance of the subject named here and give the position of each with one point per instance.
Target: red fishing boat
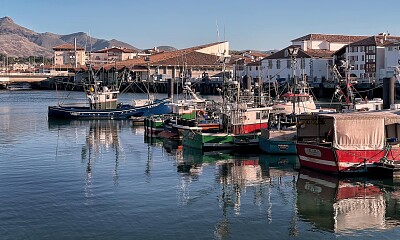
(348, 142)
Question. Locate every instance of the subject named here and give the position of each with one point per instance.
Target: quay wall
(206, 87)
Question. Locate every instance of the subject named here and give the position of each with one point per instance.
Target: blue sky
(246, 24)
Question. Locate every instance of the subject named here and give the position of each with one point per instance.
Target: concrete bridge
(7, 78)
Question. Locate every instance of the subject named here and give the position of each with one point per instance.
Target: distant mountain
(18, 41)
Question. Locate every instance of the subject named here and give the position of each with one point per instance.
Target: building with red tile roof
(109, 55)
(192, 62)
(313, 61)
(68, 54)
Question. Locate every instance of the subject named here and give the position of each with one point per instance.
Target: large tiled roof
(378, 40)
(310, 53)
(67, 47)
(191, 59)
(319, 53)
(188, 57)
(330, 38)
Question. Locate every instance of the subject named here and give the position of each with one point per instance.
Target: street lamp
(292, 52)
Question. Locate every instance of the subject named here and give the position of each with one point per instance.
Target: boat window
(392, 131)
(264, 115)
(258, 115)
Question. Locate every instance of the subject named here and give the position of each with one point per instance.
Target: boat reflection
(344, 205)
(101, 140)
(251, 168)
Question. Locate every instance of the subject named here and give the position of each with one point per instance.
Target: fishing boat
(190, 113)
(345, 92)
(241, 118)
(102, 103)
(348, 143)
(278, 141)
(280, 137)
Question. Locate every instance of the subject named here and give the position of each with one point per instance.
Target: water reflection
(101, 137)
(346, 205)
(237, 175)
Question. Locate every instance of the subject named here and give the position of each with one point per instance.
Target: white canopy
(362, 130)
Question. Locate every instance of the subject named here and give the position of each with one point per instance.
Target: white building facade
(392, 58)
(312, 66)
(68, 54)
(313, 62)
(372, 58)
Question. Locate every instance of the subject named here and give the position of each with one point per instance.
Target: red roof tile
(378, 40)
(330, 38)
(310, 53)
(187, 56)
(66, 47)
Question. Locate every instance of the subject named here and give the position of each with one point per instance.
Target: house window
(370, 49)
(361, 48)
(278, 64)
(361, 66)
(370, 58)
(390, 49)
(288, 63)
(362, 58)
(270, 64)
(256, 68)
(370, 68)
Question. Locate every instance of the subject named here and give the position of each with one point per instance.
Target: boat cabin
(103, 98)
(351, 131)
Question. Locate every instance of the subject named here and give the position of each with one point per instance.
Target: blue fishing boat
(103, 104)
(278, 141)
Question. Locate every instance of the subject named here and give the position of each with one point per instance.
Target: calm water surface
(105, 180)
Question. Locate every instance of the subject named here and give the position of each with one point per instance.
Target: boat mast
(292, 52)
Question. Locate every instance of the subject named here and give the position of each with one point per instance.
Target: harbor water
(106, 180)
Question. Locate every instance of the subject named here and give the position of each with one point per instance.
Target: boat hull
(153, 126)
(337, 161)
(207, 141)
(125, 112)
(277, 146)
(217, 141)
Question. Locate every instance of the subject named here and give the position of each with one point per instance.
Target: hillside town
(320, 60)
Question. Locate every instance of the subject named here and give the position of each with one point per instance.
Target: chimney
(304, 45)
